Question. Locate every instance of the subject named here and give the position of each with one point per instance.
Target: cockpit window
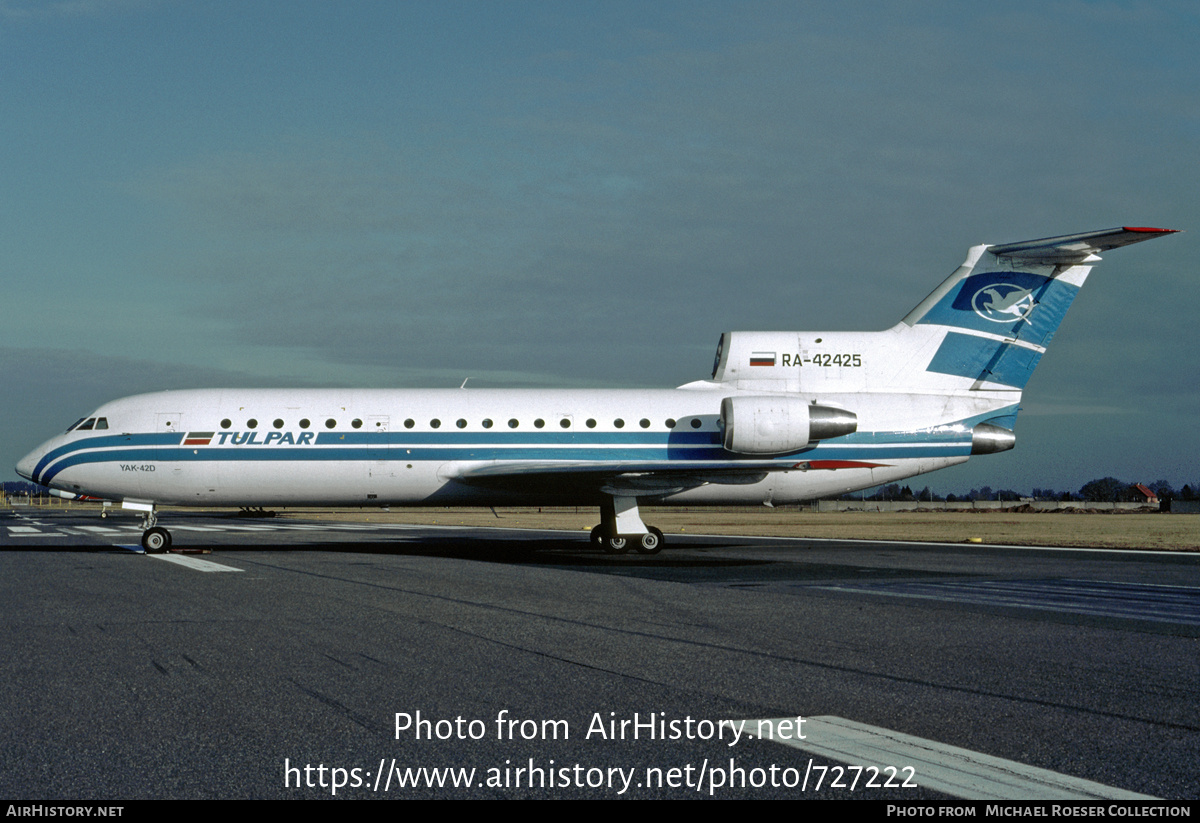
(86, 426)
(101, 423)
(71, 427)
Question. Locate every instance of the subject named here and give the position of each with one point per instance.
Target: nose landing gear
(155, 539)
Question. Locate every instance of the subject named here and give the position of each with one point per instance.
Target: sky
(547, 194)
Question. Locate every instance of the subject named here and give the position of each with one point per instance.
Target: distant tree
(1187, 493)
(1104, 490)
(1163, 489)
(21, 487)
(889, 492)
(984, 493)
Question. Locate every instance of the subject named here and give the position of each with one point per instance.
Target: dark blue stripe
(682, 456)
(165, 439)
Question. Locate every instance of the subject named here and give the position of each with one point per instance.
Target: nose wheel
(156, 540)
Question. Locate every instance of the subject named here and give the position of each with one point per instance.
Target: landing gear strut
(622, 529)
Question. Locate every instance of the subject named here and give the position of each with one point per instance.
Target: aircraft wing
(652, 477)
(1075, 247)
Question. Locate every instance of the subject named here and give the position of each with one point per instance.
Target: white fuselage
(276, 447)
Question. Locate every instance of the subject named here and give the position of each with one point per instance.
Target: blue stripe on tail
(1020, 305)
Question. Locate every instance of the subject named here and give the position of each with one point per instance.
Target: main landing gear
(155, 539)
(622, 529)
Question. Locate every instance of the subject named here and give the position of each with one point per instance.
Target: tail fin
(984, 328)
(1001, 308)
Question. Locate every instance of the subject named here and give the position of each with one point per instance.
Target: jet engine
(780, 424)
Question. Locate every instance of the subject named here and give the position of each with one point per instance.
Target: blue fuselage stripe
(89, 451)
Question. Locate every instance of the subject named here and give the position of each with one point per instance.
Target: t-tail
(958, 360)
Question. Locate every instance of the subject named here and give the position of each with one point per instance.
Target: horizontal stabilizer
(1075, 247)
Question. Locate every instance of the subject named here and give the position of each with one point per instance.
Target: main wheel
(650, 542)
(156, 540)
(616, 545)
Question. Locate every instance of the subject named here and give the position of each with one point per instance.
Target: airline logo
(1003, 303)
(274, 438)
(249, 438)
(762, 358)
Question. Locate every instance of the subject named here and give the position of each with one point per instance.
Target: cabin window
(695, 422)
(565, 422)
(670, 422)
(226, 423)
(278, 423)
(462, 424)
(330, 423)
(409, 423)
(487, 423)
(539, 423)
(356, 423)
(305, 422)
(591, 423)
(619, 423)
(252, 423)
(512, 424)
(644, 423)
(435, 423)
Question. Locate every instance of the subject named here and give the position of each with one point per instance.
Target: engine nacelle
(780, 424)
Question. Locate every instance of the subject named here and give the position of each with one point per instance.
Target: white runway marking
(948, 769)
(1140, 601)
(195, 563)
(22, 531)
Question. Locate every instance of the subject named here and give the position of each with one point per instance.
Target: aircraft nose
(26, 465)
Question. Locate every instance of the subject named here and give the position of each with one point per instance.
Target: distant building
(1140, 494)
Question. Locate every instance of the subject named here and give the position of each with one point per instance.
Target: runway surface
(299, 658)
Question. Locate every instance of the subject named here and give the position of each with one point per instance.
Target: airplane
(785, 417)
